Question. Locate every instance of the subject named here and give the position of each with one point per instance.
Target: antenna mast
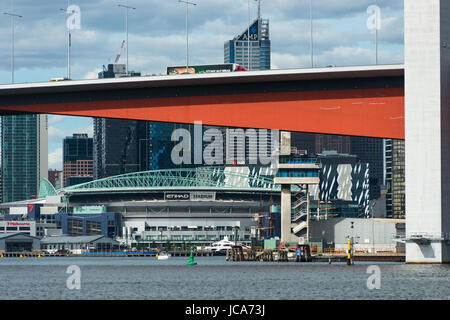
(259, 9)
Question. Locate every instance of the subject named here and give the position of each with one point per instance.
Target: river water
(213, 278)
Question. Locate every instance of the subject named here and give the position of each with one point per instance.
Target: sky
(157, 39)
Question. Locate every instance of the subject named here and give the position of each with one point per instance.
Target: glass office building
(370, 150)
(254, 41)
(77, 159)
(24, 155)
(160, 145)
(344, 185)
(119, 147)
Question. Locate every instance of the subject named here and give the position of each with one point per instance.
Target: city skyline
(325, 176)
(336, 41)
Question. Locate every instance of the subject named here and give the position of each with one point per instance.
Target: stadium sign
(190, 196)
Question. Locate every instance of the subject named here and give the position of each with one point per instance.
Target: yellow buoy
(20, 256)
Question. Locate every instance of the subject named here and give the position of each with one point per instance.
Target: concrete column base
(435, 252)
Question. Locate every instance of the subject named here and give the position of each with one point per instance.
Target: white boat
(162, 256)
(220, 248)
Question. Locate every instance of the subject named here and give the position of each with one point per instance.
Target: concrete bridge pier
(427, 130)
(286, 213)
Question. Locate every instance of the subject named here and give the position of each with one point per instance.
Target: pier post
(349, 253)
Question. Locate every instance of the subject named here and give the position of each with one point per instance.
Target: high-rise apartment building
(253, 42)
(24, 155)
(78, 164)
(395, 178)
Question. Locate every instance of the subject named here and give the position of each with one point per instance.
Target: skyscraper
(160, 145)
(120, 146)
(370, 150)
(395, 178)
(77, 159)
(344, 177)
(255, 37)
(24, 155)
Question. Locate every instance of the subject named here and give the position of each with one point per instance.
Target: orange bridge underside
(358, 112)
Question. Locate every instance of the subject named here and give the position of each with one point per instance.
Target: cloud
(54, 119)
(157, 33)
(339, 56)
(56, 135)
(92, 74)
(55, 159)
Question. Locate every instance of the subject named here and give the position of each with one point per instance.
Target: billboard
(207, 68)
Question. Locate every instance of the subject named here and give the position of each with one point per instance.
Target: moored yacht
(220, 248)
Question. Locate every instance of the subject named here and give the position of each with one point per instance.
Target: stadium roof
(203, 178)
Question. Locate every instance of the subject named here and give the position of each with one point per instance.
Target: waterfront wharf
(386, 257)
(40, 254)
(283, 255)
(239, 254)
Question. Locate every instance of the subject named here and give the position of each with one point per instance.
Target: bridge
(368, 100)
(410, 102)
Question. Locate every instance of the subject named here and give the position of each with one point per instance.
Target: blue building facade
(160, 144)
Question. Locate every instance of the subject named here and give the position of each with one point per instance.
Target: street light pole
(12, 15)
(311, 27)
(126, 28)
(187, 30)
(376, 36)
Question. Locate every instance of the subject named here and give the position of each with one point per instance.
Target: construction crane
(120, 53)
